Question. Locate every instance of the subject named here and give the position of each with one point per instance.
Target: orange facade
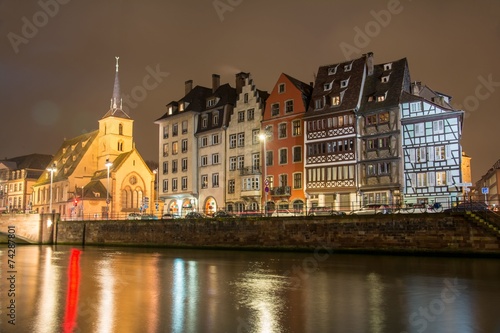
(284, 128)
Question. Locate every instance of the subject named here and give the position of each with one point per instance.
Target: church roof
(69, 156)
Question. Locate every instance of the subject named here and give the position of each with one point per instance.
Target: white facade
(432, 152)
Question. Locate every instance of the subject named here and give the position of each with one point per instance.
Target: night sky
(57, 64)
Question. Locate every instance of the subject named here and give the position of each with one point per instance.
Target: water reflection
(72, 292)
(106, 300)
(140, 290)
(261, 292)
(48, 306)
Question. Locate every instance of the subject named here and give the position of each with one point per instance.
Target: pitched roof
(328, 84)
(32, 161)
(305, 88)
(194, 100)
(69, 155)
(388, 80)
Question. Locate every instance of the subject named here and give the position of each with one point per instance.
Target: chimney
(369, 63)
(215, 82)
(188, 86)
(415, 86)
(240, 81)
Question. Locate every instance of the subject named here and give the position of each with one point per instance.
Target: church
(99, 174)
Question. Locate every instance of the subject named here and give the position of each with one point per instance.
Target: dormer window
(215, 119)
(318, 104)
(170, 110)
(388, 67)
(332, 70)
(335, 100)
(328, 86)
(371, 98)
(385, 79)
(348, 67)
(181, 107)
(211, 102)
(381, 98)
(204, 121)
(344, 83)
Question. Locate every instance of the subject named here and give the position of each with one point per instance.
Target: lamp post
(157, 175)
(262, 137)
(108, 165)
(51, 169)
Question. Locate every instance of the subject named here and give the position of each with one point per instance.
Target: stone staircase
(487, 220)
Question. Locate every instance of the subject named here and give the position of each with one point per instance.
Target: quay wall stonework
(409, 233)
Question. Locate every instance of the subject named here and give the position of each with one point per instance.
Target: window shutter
(431, 153)
(411, 152)
(448, 152)
(449, 178)
(431, 179)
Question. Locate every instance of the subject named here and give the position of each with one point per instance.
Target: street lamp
(51, 169)
(262, 138)
(155, 171)
(108, 165)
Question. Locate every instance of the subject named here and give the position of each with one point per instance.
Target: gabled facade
(331, 134)
(431, 131)
(283, 126)
(380, 166)
(17, 176)
(211, 136)
(98, 174)
(244, 160)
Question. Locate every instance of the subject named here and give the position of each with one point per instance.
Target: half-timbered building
(431, 130)
(330, 134)
(380, 168)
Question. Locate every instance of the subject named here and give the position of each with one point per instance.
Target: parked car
(324, 211)
(134, 216)
(473, 206)
(169, 216)
(195, 215)
(372, 209)
(149, 217)
(222, 213)
(285, 212)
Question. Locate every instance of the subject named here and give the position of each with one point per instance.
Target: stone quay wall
(30, 228)
(387, 233)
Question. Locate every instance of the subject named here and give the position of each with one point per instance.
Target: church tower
(115, 128)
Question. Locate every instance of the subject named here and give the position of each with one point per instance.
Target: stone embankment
(399, 233)
(411, 233)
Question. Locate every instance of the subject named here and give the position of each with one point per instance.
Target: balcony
(281, 191)
(245, 171)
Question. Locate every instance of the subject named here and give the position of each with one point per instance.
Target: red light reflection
(72, 292)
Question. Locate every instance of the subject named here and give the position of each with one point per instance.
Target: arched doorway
(173, 208)
(210, 206)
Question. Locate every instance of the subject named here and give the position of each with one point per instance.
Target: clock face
(133, 180)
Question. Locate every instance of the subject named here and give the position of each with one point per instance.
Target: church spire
(116, 100)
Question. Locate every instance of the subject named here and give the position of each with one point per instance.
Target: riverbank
(400, 234)
(423, 234)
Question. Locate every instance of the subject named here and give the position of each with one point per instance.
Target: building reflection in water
(179, 295)
(260, 293)
(47, 310)
(70, 313)
(106, 295)
(375, 303)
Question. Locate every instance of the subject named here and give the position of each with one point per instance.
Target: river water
(95, 289)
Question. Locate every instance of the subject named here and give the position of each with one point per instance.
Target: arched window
(120, 129)
(120, 145)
